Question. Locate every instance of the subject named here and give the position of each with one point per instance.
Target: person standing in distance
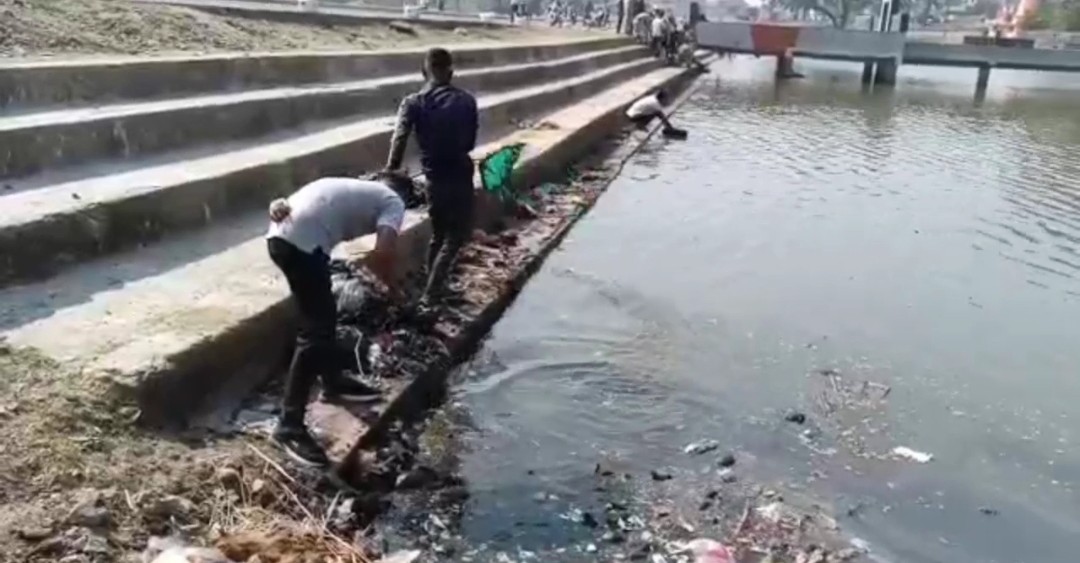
(304, 229)
(445, 121)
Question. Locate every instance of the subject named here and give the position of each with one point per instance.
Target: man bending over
(304, 229)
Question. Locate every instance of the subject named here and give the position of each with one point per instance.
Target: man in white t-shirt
(642, 27)
(661, 32)
(304, 229)
(648, 108)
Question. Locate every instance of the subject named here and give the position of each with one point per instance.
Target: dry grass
(63, 435)
(54, 27)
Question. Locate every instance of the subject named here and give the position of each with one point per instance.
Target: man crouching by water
(650, 107)
(304, 229)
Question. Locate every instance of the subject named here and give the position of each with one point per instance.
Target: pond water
(901, 266)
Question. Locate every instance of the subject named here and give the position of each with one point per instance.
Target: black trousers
(451, 215)
(308, 275)
(643, 121)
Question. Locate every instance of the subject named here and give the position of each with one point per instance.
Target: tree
(838, 12)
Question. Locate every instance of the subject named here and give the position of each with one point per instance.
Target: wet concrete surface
(898, 267)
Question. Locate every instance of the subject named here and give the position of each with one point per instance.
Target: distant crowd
(669, 38)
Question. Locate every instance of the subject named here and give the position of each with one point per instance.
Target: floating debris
(702, 447)
(795, 417)
(914, 455)
(660, 475)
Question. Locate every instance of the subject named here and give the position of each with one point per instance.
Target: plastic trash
(706, 550)
(174, 550)
(497, 169)
(349, 293)
(405, 556)
(914, 455)
(698, 448)
(674, 133)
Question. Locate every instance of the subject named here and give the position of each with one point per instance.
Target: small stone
(229, 478)
(660, 475)
(726, 460)
(89, 512)
(587, 519)
(705, 505)
(416, 478)
(795, 417)
(612, 537)
(712, 494)
(8, 187)
(170, 506)
(847, 554)
(591, 548)
(33, 534)
(727, 476)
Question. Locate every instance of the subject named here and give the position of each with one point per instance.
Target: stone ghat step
(39, 141)
(45, 229)
(28, 84)
(202, 317)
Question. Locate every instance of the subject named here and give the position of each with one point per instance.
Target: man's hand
(279, 210)
(383, 262)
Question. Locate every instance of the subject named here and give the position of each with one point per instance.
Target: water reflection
(907, 237)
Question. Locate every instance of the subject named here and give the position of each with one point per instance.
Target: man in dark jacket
(445, 120)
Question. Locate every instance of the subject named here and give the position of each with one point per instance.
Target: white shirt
(659, 27)
(641, 23)
(649, 105)
(331, 210)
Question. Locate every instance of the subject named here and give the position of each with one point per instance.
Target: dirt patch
(82, 27)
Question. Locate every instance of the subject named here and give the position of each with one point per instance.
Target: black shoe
(298, 443)
(348, 388)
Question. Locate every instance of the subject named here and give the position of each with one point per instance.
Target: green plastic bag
(497, 168)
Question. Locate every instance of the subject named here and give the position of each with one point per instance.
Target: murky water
(914, 239)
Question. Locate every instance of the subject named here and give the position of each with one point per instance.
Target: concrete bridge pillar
(983, 81)
(868, 66)
(785, 65)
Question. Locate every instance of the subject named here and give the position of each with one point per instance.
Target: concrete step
(34, 142)
(28, 84)
(204, 314)
(45, 229)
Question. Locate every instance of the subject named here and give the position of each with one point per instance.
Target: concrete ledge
(42, 231)
(190, 385)
(28, 84)
(41, 141)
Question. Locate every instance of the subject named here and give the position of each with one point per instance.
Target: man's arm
(383, 261)
(400, 140)
(474, 122)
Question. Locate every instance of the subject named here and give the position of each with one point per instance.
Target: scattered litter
(404, 556)
(173, 550)
(706, 550)
(795, 417)
(704, 446)
(773, 512)
(913, 455)
(860, 544)
(989, 511)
